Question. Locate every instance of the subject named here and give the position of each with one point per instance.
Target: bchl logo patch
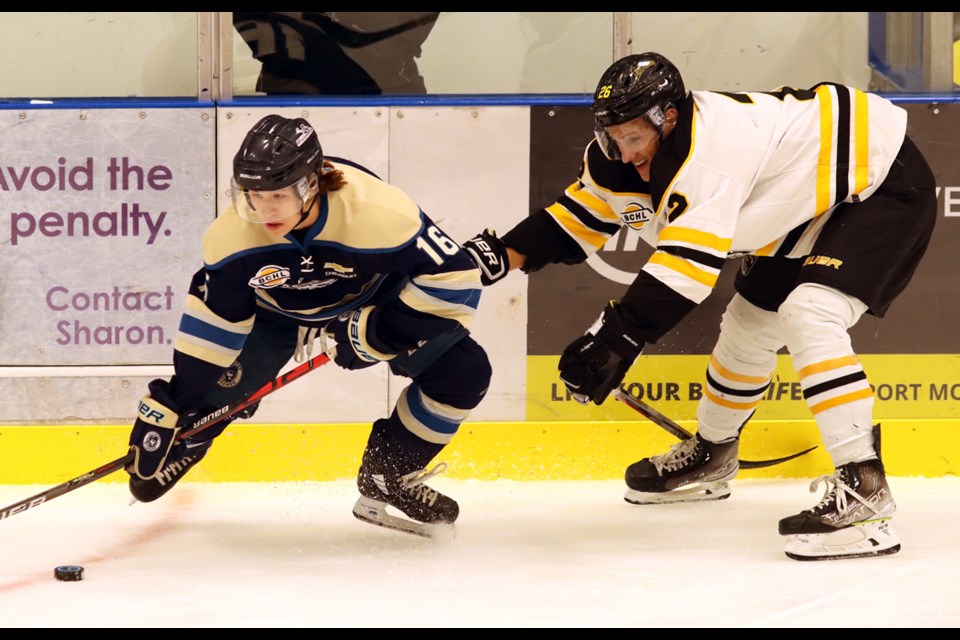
(636, 214)
(269, 277)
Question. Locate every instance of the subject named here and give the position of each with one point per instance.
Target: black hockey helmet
(642, 85)
(276, 153)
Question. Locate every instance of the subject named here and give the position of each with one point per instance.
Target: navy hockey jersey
(368, 233)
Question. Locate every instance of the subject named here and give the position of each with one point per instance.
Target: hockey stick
(340, 33)
(355, 39)
(677, 431)
(205, 422)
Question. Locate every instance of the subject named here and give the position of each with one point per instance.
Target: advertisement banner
(910, 356)
(102, 217)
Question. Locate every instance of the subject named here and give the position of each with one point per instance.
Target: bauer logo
(149, 413)
(23, 506)
(622, 256)
(269, 276)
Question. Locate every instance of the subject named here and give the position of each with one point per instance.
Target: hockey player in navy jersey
(320, 250)
(832, 206)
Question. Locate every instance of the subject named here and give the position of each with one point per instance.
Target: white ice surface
(526, 554)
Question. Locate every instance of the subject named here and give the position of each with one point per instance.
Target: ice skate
(431, 514)
(693, 470)
(182, 459)
(851, 521)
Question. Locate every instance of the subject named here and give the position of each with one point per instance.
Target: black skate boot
(693, 470)
(851, 521)
(393, 474)
(182, 458)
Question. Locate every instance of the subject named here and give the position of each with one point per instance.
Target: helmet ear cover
(307, 186)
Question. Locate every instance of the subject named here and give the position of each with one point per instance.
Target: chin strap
(305, 212)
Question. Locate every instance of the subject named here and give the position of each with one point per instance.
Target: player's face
(638, 141)
(278, 211)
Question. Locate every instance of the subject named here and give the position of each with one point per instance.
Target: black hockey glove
(154, 430)
(594, 364)
(490, 254)
(352, 348)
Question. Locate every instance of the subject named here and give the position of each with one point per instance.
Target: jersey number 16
(437, 241)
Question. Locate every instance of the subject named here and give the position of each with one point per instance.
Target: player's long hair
(330, 179)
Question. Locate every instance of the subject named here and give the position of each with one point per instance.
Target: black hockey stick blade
(652, 414)
(199, 425)
(679, 432)
(759, 464)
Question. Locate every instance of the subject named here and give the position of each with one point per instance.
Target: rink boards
(105, 204)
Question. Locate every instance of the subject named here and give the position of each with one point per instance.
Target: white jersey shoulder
(607, 196)
(758, 165)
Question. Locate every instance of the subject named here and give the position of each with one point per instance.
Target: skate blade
(865, 540)
(703, 492)
(375, 512)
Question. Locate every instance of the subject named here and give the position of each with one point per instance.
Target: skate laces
(838, 490)
(676, 457)
(413, 484)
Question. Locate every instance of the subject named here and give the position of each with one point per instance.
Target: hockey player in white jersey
(832, 207)
(319, 246)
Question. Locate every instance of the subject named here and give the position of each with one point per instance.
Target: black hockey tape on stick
(680, 433)
(199, 425)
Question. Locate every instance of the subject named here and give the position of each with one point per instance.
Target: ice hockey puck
(68, 573)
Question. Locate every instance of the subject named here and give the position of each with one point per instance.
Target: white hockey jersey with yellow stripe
(759, 173)
(741, 173)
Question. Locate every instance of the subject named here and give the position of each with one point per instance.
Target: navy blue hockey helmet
(642, 85)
